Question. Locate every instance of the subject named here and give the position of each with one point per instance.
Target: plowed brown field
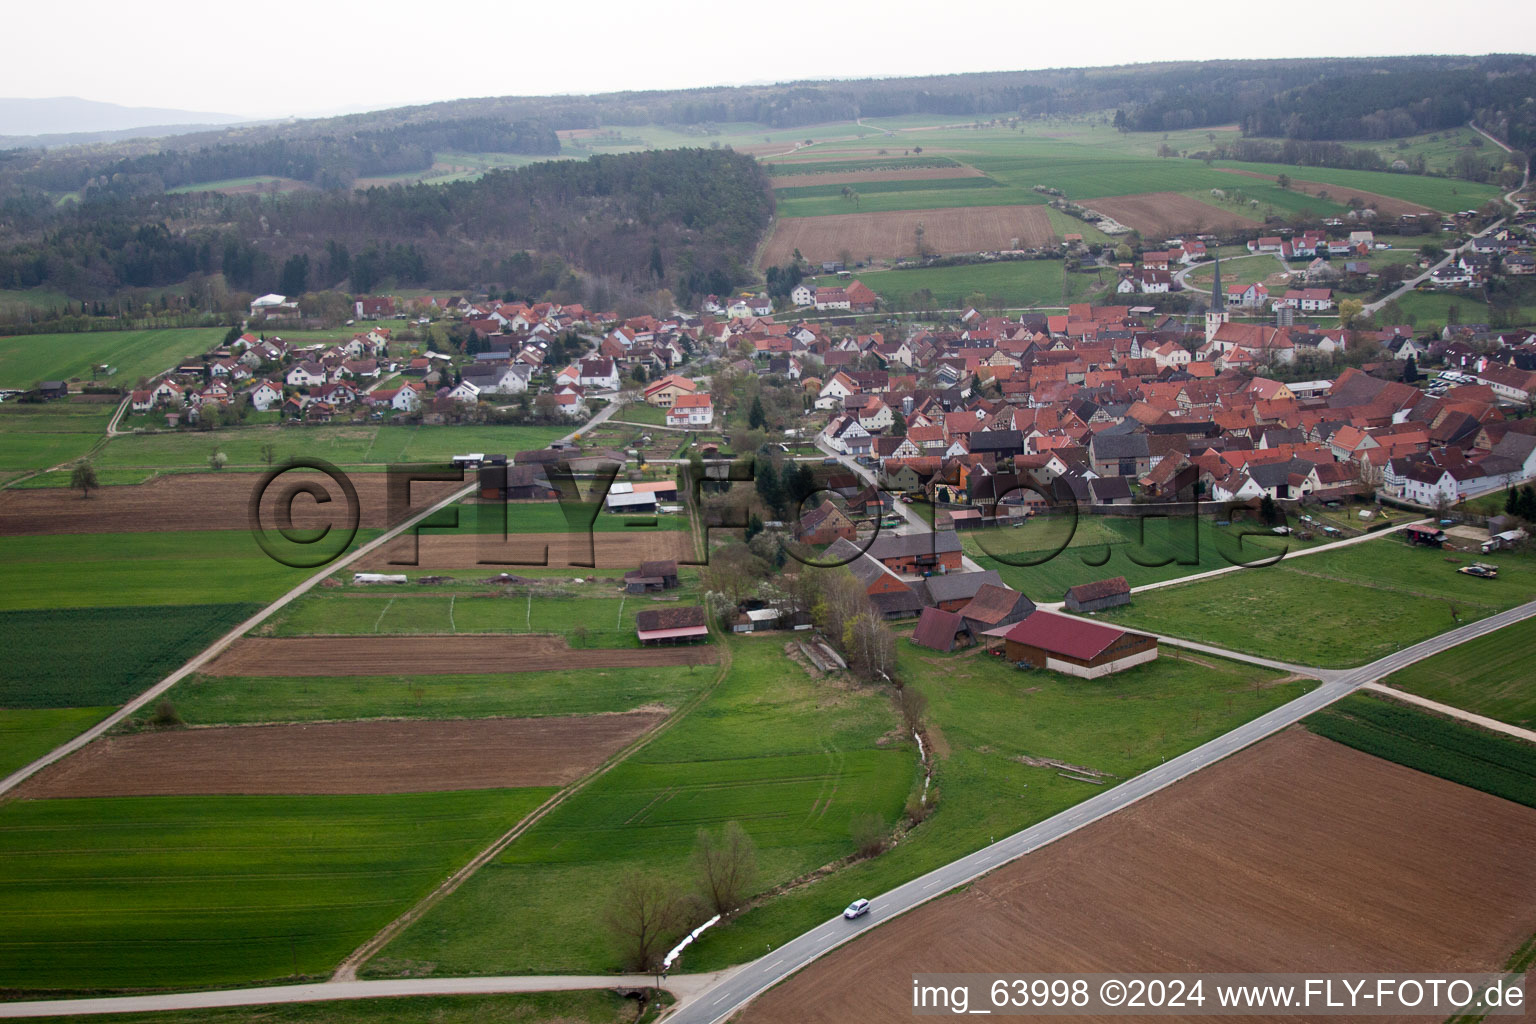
(1384, 205)
(344, 757)
(468, 551)
(1298, 854)
(432, 654)
(893, 233)
(1158, 214)
(200, 501)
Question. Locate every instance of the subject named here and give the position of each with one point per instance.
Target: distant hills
(71, 115)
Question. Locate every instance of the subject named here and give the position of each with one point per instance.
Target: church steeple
(1218, 297)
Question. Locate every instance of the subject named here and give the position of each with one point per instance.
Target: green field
(189, 891)
(582, 1007)
(96, 656)
(232, 700)
(1033, 560)
(1493, 763)
(791, 759)
(1488, 676)
(37, 436)
(1334, 609)
(83, 570)
(1012, 284)
(28, 358)
(27, 734)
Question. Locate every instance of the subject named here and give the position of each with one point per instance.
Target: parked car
(1480, 570)
(858, 908)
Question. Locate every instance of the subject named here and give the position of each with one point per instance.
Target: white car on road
(858, 908)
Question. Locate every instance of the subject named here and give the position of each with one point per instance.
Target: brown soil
(892, 234)
(492, 553)
(432, 654)
(344, 757)
(1159, 214)
(856, 177)
(201, 501)
(1298, 854)
(1386, 206)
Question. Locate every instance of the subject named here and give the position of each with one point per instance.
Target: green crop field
(192, 891)
(1042, 558)
(639, 412)
(910, 199)
(872, 188)
(1334, 609)
(82, 570)
(791, 759)
(1493, 763)
(28, 358)
(29, 733)
(600, 1006)
(94, 656)
(232, 700)
(1488, 676)
(38, 436)
(1012, 284)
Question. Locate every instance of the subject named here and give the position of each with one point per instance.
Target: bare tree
(869, 646)
(913, 706)
(647, 912)
(726, 867)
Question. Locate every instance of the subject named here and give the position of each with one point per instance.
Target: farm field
(189, 891)
(1158, 214)
(243, 700)
(1290, 839)
(1488, 676)
(1412, 736)
(128, 648)
(1011, 284)
(1336, 609)
(28, 358)
(434, 655)
(814, 176)
(607, 549)
(789, 758)
(892, 235)
(343, 757)
(34, 437)
(28, 733)
(1033, 560)
(590, 1007)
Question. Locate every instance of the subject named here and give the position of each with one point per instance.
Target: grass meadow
(601, 1006)
(28, 358)
(1335, 609)
(1489, 676)
(28, 733)
(146, 892)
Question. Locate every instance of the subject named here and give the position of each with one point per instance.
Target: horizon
(319, 75)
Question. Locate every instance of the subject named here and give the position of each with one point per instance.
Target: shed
(1098, 595)
(995, 606)
(658, 575)
(671, 625)
(942, 631)
(1424, 536)
(1077, 647)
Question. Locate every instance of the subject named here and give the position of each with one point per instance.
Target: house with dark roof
(824, 524)
(915, 553)
(953, 591)
(1120, 454)
(942, 631)
(995, 606)
(652, 576)
(1098, 595)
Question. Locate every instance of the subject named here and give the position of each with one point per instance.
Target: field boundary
(346, 971)
(1461, 715)
(11, 781)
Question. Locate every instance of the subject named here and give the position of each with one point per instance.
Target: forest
(674, 219)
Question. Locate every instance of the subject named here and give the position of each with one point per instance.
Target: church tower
(1217, 314)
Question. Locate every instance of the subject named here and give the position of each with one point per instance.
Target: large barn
(1065, 643)
(1098, 595)
(671, 625)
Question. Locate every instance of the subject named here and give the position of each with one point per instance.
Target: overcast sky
(307, 57)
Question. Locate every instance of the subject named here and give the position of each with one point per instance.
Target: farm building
(1064, 643)
(917, 552)
(671, 625)
(1424, 536)
(824, 524)
(651, 576)
(953, 591)
(625, 496)
(942, 631)
(995, 606)
(756, 620)
(1099, 595)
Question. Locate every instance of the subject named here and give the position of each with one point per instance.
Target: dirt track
(1384, 205)
(199, 501)
(492, 552)
(1159, 214)
(1295, 855)
(893, 234)
(432, 654)
(344, 757)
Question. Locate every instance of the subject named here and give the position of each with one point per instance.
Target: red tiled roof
(1065, 634)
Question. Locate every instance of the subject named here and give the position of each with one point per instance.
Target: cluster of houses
(1506, 251)
(1108, 405)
